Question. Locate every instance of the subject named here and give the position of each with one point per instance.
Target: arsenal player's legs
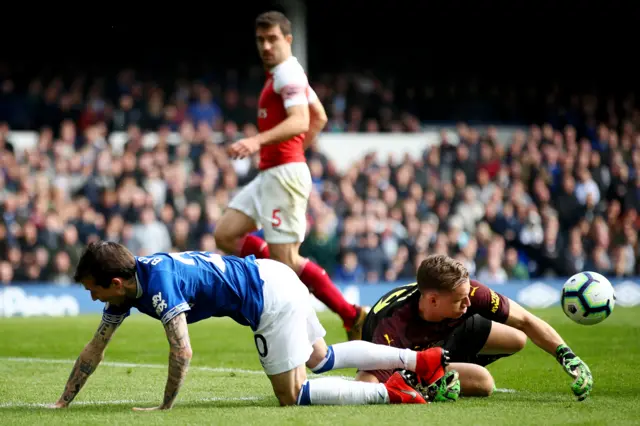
(310, 273)
(284, 194)
(229, 231)
(276, 201)
(316, 280)
(239, 219)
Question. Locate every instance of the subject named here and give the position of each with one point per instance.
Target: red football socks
(321, 286)
(312, 275)
(251, 244)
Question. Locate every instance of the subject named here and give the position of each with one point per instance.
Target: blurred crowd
(561, 197)
(549, 204)
(355, 101)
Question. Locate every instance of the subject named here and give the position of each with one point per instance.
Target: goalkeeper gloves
(577, 369)
(447, 388)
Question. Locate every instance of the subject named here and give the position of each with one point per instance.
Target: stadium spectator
(555, 199)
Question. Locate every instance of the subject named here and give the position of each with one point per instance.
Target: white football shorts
(277, 201)
(288, 325)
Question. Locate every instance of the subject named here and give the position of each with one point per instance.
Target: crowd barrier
(45, 299)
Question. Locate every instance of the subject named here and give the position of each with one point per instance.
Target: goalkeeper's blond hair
(441, 273)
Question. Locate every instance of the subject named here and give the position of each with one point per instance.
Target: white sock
(336, 391)
(366, 356)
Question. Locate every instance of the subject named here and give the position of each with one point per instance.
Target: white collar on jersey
(138, 287)
(289, 59)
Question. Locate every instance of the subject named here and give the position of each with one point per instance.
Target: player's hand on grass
(578, 370)
(243, 148)
(58, 404)
(161, 407)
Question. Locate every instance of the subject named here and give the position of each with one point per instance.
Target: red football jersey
(287, 85)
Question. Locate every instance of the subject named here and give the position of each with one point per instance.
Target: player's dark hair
(271, 19)
(441, 273)
(103, 261)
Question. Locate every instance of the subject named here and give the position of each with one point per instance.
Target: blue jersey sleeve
(164, 295)
(113, 314)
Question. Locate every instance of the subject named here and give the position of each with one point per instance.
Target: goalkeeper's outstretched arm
(86, 364)
(541, 334)
(546, 338)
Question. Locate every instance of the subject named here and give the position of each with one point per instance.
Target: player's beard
(275, 58)
(270, 61)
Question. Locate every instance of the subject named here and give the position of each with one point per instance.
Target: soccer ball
(588, 298)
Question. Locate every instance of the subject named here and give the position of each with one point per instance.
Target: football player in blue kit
(186, 287)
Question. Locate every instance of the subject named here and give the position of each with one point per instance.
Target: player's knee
(224, 239)
(221, 235)
(287, 385)
(365, 376)
(318, 356)
(475, 380)
(481, 385)
(519, 341)
(289, 396)
(485, 385)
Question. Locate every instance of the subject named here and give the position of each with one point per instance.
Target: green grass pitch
(225, 384)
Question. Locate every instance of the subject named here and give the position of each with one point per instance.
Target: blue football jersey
(202, 284)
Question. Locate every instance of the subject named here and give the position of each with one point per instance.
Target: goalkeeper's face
(273, 46)
(447, 304)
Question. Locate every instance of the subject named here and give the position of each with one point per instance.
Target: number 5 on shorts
(276, 220)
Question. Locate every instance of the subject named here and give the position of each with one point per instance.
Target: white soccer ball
(587, 298)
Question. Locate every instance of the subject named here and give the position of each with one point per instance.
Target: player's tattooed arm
(86, 364)
(179, 357)
(103, 335)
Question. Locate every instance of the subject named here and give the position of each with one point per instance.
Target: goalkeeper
(477, 325)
